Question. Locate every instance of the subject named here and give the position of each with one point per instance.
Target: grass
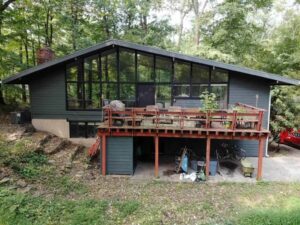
(287, 214)
(22, 209)
(63, 185)
(124, 202)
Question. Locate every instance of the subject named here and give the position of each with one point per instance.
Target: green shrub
(209, 101)
(28, 165)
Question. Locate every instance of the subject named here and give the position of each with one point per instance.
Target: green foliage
(20, 156)
(28, 165)
(209, 102)
(283, 111)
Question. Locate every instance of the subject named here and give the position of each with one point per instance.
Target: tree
(3, 6)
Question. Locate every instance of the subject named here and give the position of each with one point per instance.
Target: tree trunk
(198, 14)
(23, 93)
(180, 30)
(33, 56)
(106, 26)
(74, 12)
(2, 102)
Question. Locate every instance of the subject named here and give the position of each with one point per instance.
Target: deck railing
(246, 118)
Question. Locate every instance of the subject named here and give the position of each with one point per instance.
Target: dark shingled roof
(277, 79)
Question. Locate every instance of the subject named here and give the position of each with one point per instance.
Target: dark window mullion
(136, 77)
(209, 81)
(100, 79)
(118, 72)
(190, 77)
(172, 81)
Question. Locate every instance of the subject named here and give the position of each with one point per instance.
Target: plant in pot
(209, 102)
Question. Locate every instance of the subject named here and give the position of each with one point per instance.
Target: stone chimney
(44, 54)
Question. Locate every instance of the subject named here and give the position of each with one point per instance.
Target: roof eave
(279, 80)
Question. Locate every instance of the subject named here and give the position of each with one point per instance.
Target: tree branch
(5, 5)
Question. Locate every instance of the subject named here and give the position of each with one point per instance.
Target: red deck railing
(246, 118)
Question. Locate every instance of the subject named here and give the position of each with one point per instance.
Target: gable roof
(277, 79)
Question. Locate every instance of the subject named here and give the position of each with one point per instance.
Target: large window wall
(115, 73)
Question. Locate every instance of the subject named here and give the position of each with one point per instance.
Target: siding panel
(120, 155)
(244, 89)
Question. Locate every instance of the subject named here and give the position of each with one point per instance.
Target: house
(67, 95)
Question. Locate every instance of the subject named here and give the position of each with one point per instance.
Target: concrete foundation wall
(60, 127)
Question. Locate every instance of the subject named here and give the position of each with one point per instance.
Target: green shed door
(120, 155)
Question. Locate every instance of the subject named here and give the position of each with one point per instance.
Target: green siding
(48, 98)
(120, 155)
(244, 89)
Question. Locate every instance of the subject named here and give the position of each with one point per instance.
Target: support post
(208, 140)
(156, 140)
(103, 148)
(260, 157)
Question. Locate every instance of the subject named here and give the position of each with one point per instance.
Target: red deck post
(208, 140)
(156, 139)
(260, 157)
(103, 163)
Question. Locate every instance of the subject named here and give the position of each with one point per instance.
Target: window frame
(85, 128)
(116, 50)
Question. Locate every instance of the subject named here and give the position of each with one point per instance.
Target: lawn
(121, 201)
(40, 192)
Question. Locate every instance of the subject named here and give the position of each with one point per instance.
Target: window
(127, 94)
(110, 91)
(200, 74)
(145, 67)
(74, 87)
(91, 69)
(109, 66)
(81, 129)
(197, 90)
(182, 72)
(127, 65)
(109, 75)
(221, 93)
(163, 95)
(72, 73)
(92, 95)
(92, 92)
(181, 90)
(83, 84)
(219, 76)
(163, 69)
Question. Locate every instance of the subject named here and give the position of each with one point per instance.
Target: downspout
(268, 124)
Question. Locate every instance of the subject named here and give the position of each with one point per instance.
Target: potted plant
(209, 104)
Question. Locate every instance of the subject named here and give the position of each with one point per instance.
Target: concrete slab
(283, 166)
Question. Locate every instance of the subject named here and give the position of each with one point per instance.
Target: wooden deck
(176, 122)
